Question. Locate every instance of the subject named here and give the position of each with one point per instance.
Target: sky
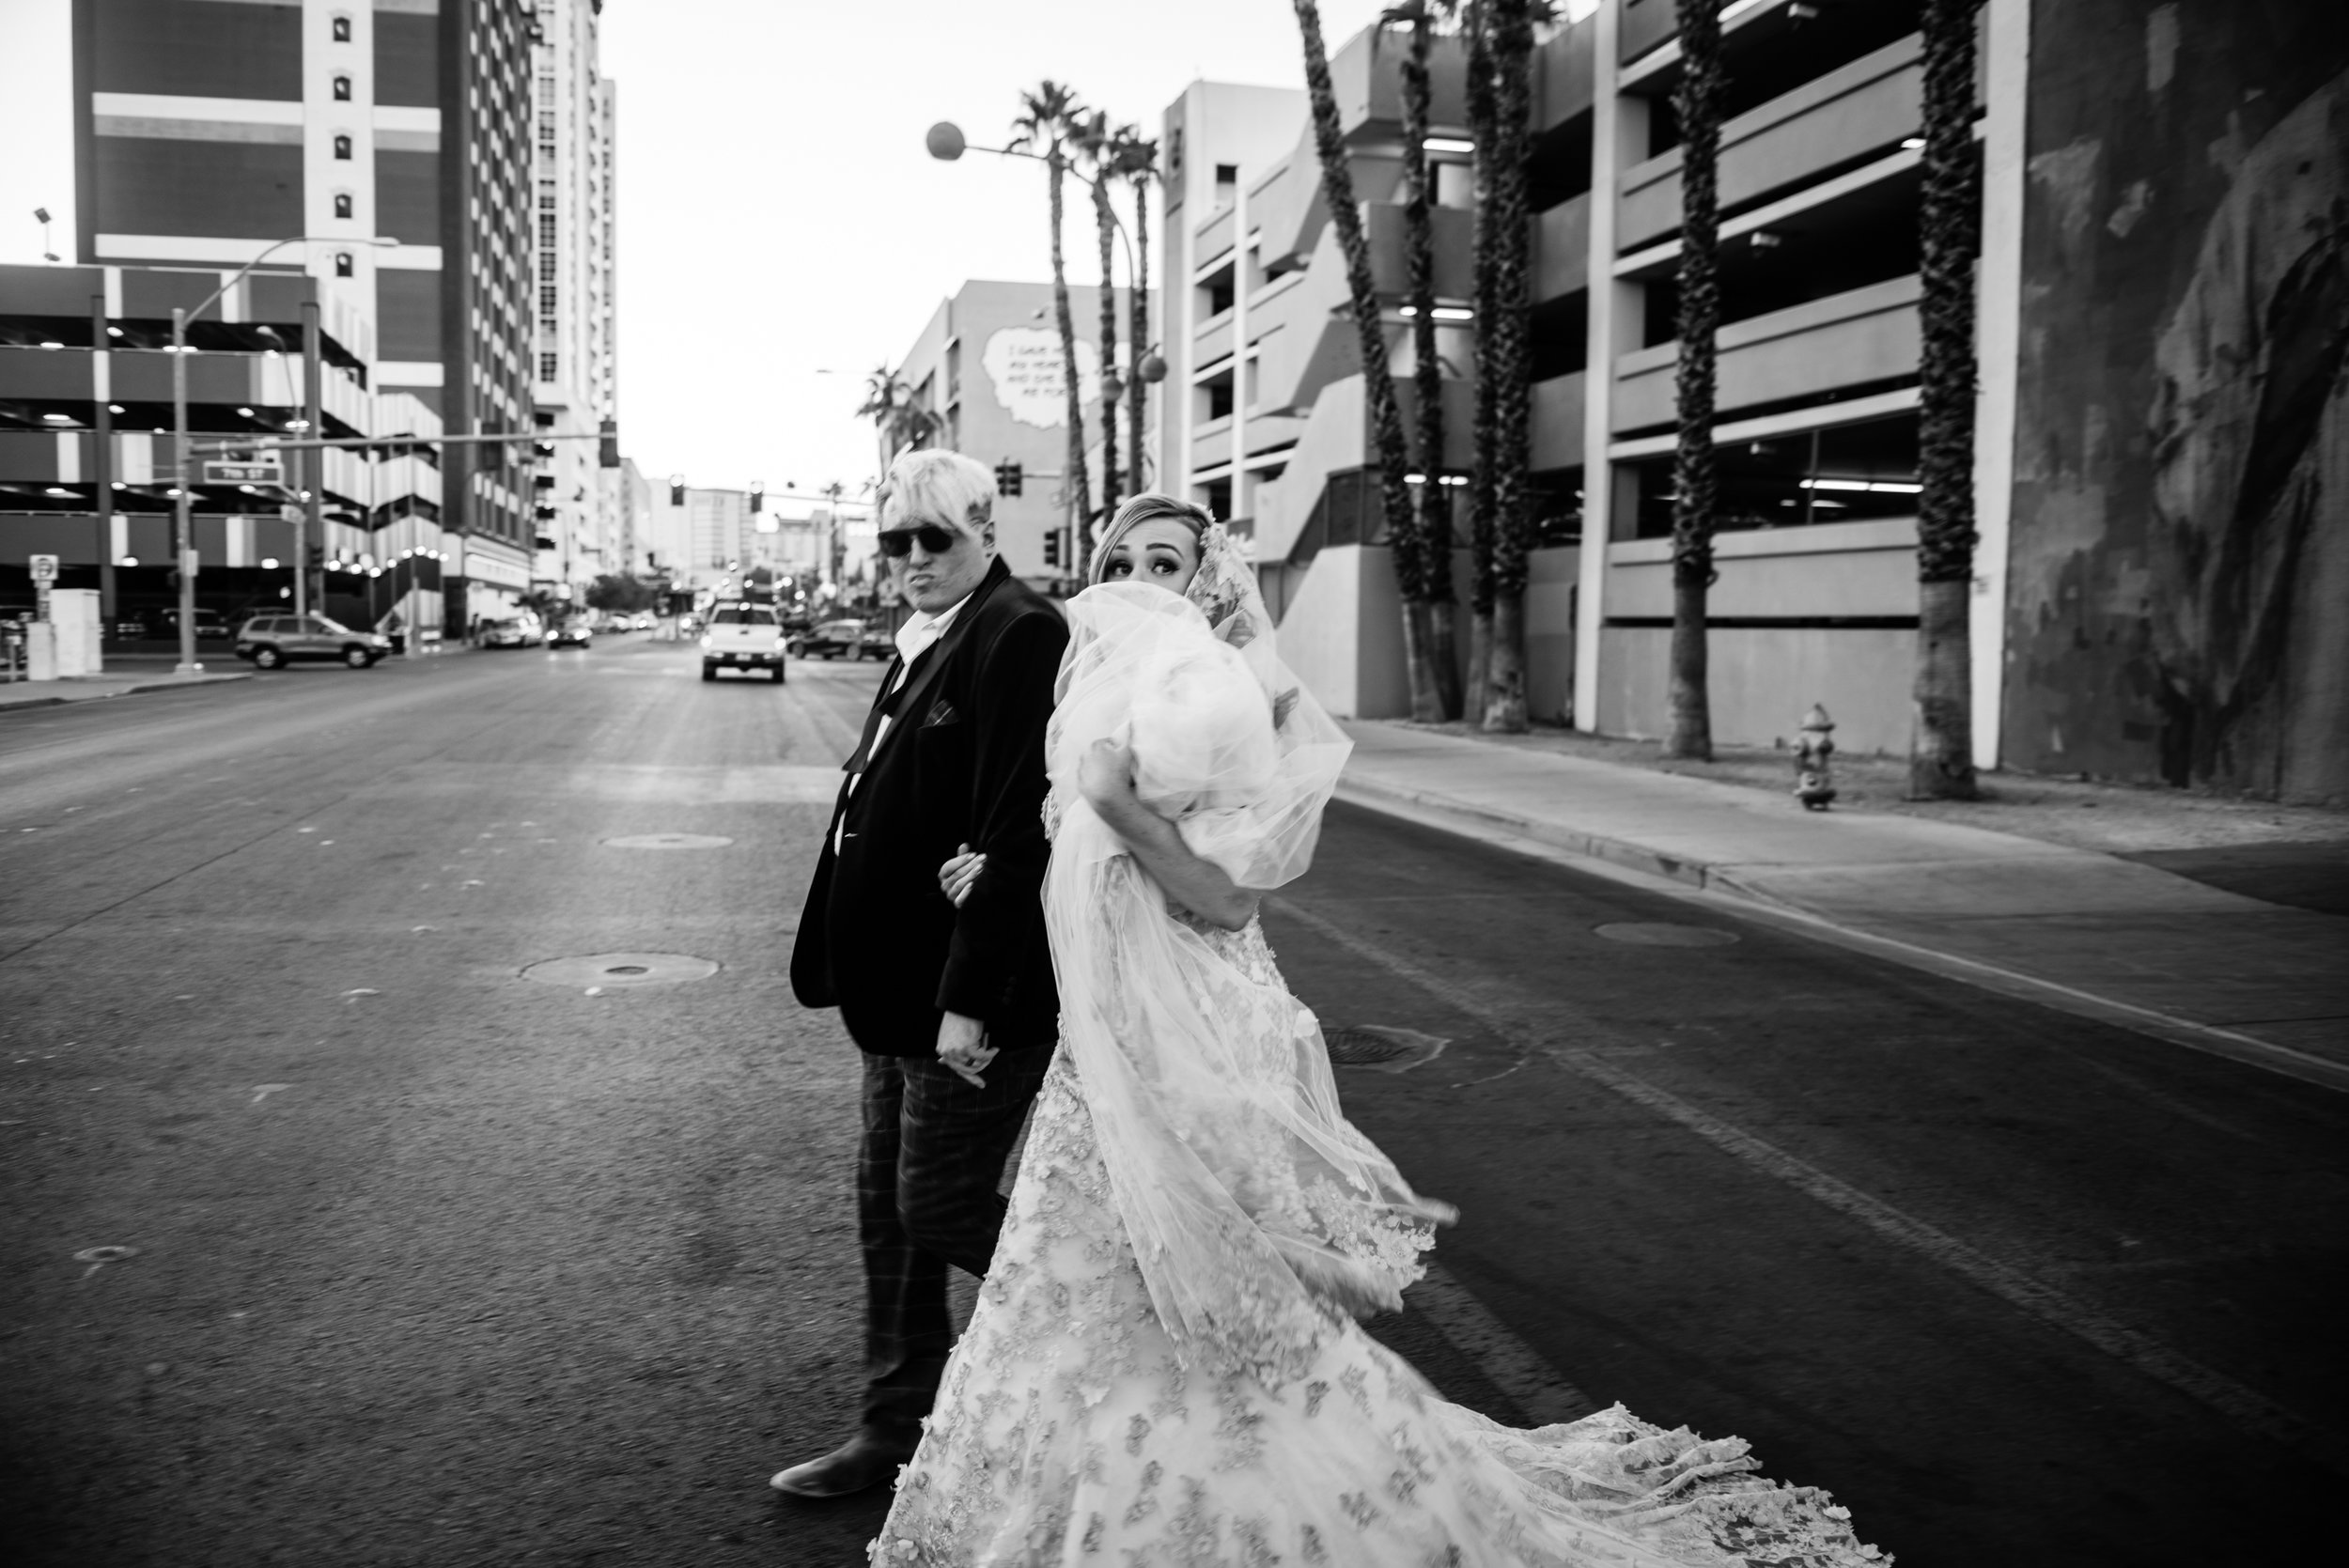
(778, 215)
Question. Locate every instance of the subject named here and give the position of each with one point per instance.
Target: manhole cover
(1641, 933)
(669, 841)
(621, 968)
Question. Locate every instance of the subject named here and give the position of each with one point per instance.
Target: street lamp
(183, 514)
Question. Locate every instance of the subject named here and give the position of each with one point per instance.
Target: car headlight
(705, 642)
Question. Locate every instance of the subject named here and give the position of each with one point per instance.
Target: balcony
(1826, 125)
(1557, 421)
(1562, 248)
(1562, 77)
(1866, 335)
(1307, 339)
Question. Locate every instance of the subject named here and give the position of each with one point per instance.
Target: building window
(546, 195)
(546, 367)
(342, 264)
(342, 29)
(545, 231)
(342, 90)
(546, 299)
(342, 204)
(545, 266)
(342, 149)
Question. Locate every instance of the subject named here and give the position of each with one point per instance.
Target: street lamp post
(183, 509)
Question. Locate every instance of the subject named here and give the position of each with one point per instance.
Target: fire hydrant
(1814, 784)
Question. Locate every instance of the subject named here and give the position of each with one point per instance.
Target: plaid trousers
(927, 1180)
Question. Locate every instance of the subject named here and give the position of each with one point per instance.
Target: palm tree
(1136, 158)
(1095, 141)
(1386, 417)
(1697, 103)
(889, 404)
(1046, 116)
(1941, 755)
(1477, 24)
(1429, 635)
(1507, 332)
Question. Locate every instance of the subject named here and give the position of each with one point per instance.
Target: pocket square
(943, 712)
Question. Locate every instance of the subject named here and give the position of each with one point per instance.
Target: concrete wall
(2180, 532)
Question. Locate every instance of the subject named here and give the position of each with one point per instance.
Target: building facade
(208, 130)
(2128, 402)
(578, 507)
(86, 455)
(987, 370)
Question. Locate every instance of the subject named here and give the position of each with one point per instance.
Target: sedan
(505, 634)
(569, 634)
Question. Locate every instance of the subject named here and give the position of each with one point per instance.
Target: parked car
(877, 642)
(569, 634)
(506, 634)
(743, 637)
(165, 622)
(834, 640)
(646, 621)
(273, 641)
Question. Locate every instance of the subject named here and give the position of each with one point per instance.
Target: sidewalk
(113, 683)
(2073, 926)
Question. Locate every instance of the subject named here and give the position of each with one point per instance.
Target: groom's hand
(962, 1046)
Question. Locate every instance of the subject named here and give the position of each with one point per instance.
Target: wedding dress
(1162, 1368)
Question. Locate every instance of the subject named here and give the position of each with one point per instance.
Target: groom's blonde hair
(944, 487)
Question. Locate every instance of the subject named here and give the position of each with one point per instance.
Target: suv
(270, 642)
(742, 636)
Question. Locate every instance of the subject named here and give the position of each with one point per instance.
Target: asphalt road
(438, 1263)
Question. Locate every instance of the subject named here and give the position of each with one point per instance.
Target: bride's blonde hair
(1146, 509)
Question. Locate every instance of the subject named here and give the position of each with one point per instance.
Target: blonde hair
(944, 486)
(1141, 509)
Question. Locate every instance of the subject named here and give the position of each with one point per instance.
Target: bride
(1164, 1366)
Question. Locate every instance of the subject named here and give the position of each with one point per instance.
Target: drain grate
(668, 840)
(608, 969)
(1657, 934)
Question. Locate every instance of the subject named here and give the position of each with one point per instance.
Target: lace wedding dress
(1162, 1367)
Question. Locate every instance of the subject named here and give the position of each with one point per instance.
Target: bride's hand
(1105, 776)
(957, 877)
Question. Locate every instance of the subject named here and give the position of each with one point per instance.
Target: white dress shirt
(915, 638)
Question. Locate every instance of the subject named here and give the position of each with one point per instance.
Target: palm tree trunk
(1482, 459)
(1698, 102)
(1074, 485)
(1941, 754)
(1137, 389)
(1105, 221)
(1378, 399)
(1510, 333)
(1429, 632)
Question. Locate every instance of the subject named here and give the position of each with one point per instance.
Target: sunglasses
(897, 543)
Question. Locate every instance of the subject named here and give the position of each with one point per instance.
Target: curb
(1618, 857)
(169, 683)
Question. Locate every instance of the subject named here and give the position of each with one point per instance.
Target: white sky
(778, 215)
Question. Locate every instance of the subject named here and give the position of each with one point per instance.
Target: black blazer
(962, 763)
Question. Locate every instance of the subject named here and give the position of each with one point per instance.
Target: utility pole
(103, 468)
(183, 484)
(312, 523)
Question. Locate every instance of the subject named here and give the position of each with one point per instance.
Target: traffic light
(676, 490)
(492, 458)
(1008, 478)
(1052, 547)
(608, 444)
(758, 493)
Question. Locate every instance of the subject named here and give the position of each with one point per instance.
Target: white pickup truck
(743, 637)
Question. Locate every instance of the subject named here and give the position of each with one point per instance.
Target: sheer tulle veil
(1255, 1210)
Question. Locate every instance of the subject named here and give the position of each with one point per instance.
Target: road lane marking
(2245, 1406)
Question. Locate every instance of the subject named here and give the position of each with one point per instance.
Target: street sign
(241, 472)
(44, 568)
(188, 561)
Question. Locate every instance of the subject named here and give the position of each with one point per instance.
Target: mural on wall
(2181, 531)
(1024, 367)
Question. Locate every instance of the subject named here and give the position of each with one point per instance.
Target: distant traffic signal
(1052, 547)
(608, 444)
(1007, 478)
(758, 494)
(676, 490)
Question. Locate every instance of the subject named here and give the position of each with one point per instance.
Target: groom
(953, 1006)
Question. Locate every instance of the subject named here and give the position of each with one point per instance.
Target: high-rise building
(580, 507)
(206, 132)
